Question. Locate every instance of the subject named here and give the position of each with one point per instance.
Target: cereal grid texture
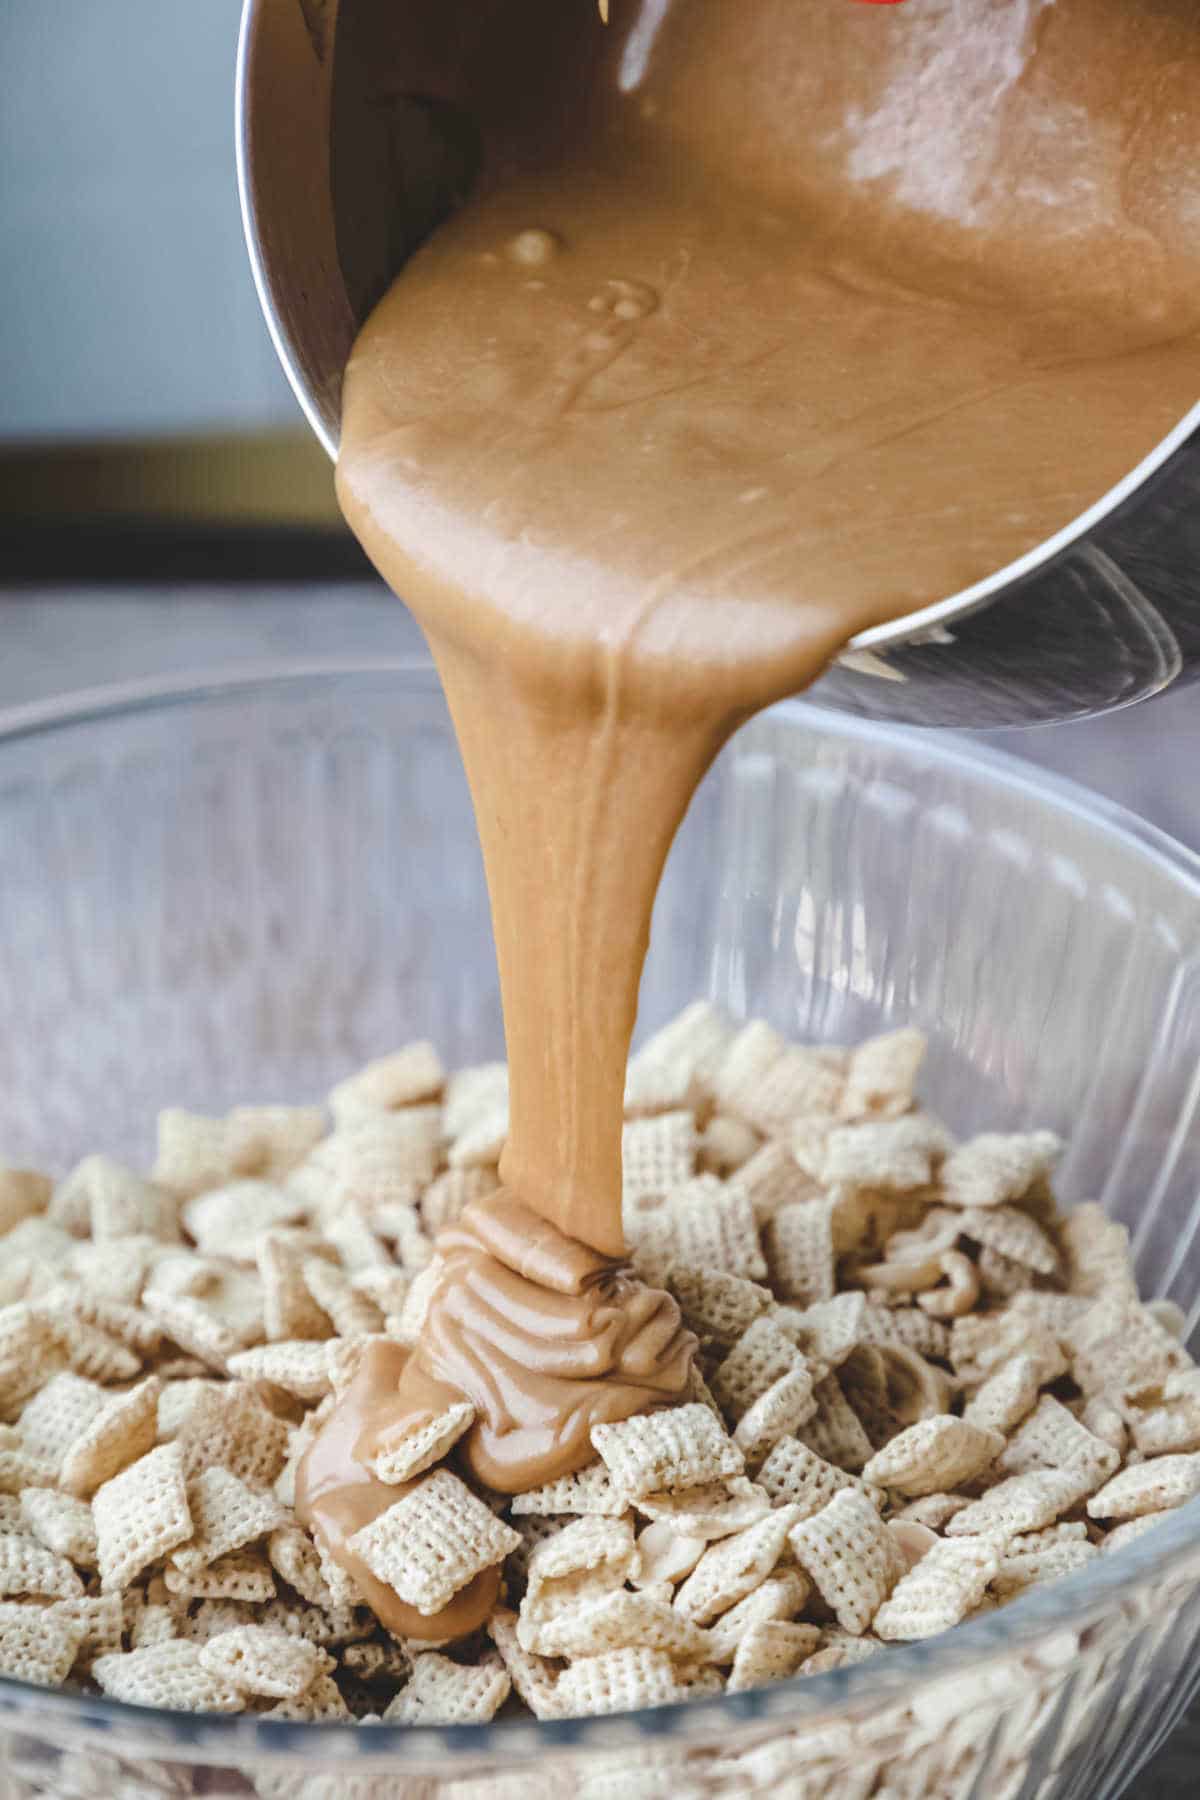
(919, 1391)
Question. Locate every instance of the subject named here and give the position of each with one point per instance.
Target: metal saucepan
(1105, 613)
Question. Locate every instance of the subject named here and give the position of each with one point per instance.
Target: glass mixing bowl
(239, 888)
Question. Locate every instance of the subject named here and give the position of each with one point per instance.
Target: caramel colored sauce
(767, 323)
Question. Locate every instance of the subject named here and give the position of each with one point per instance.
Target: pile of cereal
(919, 1391)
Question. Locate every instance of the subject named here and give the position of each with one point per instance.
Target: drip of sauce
(546, 1338)
(767, 323)
(337, 1495)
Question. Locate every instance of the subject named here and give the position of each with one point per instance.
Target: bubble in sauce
(624, 299)
(533, 247)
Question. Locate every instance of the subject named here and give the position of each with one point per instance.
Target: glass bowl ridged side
(238, 888)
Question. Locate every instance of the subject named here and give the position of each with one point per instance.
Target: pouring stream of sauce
(766, 324)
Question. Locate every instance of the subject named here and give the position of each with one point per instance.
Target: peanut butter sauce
(767, 322)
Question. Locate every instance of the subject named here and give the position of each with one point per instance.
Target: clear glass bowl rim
(1019, 1629)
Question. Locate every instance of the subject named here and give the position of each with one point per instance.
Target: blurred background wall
(135, 371)
(127, 302)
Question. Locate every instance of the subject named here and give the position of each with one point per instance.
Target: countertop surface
(55, 640)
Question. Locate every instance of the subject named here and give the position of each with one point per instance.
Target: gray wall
(126, 305)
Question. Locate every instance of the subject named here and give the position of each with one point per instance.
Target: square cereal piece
(835, 1431)
(1052, 1438)
(794, 1475)
(269, 1663)
(319, 1704)
(762, 1354)
(772, 1178)
(882, 1076)
(58, 1416)
(1096, 1257)
(770, 1083)
(229, 1426)
(89, 1352)
(618, 1681)
(433, 1542)
(734, 1567)
(299, 1366)
(933, 1456)
(727, 1144)
(665, 1555)
(981, 1344)
(242, 1575)
(1012, 1234)
(590, 1491)
(888, 1154)
(377, 1160)
(194, 1152)
(226, 1515)
(673, 1070)
(36, 1645)
(65, 1307)
(994, 1169)
(705, 1224)
(27, 1567)
(622, 1621)
(168, 1675)
(351, 1311)
(902, 1327)
(120, 1203)
(1018, 1572)
(535, 1678)
(141, 1516)
(799, 1243)
(716, 1510)
(480, 1144)
(771, 1651)
(828, 1330)
(1006, 1397)
(1159, 1485)
(19, 1471)
(658, 1155)
(271, 1141)
(289, 1310)
(29, 1354)
(680, 1447)
(114, 1270)
(416, 1444)
(850, 1556)
(1119, 1349)
(787, 1405)
(583, 1547)
(442, 1692)
(125, 1429)
(948, 1583)
(780, 1596)
(1169, 1428)
(62, 1524)
(718, 1307)
(99, 1620)
(228, 1221)
(294, 1555)
(1021, 1503)
(582, 1562)
(401, 1078)
(195, 1327)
